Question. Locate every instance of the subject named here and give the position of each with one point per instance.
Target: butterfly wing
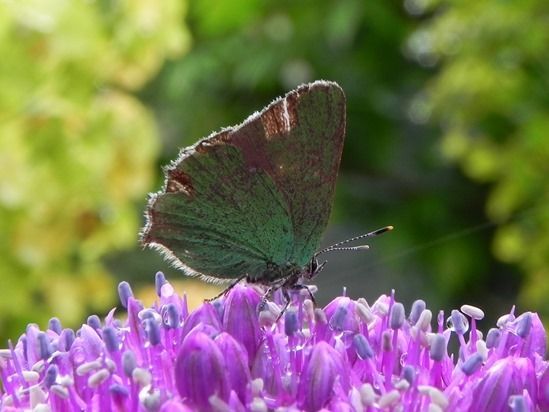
(255, 193)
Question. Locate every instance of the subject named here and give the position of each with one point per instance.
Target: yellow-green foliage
(491, 97)
(76, 147)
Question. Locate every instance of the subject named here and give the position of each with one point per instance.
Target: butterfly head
(313, 268)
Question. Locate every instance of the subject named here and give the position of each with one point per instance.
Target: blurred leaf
(491, 96)
(76, 148)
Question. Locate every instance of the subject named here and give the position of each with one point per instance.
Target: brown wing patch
(205, 145)
(280, 119)
(179, 182)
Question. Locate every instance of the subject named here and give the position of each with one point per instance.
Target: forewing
(256, 193)
(300, 145)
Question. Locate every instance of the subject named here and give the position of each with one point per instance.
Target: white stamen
(364, 313)
(367, 394)
(65, 380)
(39, 366)
(481, 348)
(473, 312)
(88, 367)
(98, 378)
(402, 385)
(258, 405)
(257, 386)
(31, 376)
(388, 399)
(356, 401)
(60, 391)
(37, 396)
(502, 321)
(424, 321)
(141, 376)
(436, 395)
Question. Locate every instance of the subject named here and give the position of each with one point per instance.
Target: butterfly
(252, 201)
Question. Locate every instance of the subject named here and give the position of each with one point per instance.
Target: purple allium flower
(237, 354)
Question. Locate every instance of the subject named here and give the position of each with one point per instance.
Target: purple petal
(506, 377)
(536, 339)
(93, 345)
(235, 403)
(240, 318)
(543, 390)
(269, 362)
(527, 336)
(32, 346)
(136, 334)
(341, 314)
(200, 371)
(238, 370)
(175, 406)
(204, 315)
(317, 382)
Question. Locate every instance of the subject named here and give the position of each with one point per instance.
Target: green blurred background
(448, 115)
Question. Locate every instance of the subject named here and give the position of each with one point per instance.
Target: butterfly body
(252, 201)
(286, 275)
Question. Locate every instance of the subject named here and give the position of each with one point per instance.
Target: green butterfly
(252, 201)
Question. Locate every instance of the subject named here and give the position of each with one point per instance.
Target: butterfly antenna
(337, 246)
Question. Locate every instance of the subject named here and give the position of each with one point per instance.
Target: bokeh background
(448, 116)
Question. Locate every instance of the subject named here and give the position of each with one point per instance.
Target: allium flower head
(239, 354)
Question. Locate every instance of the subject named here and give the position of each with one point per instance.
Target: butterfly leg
(269, 293)
(265, 298)
(286, 295)
(295, 287)
(227, 289)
